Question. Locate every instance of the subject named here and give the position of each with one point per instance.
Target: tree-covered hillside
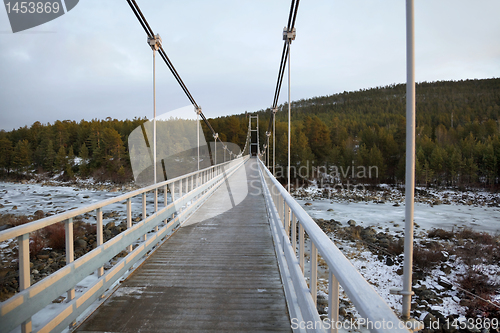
(457, 133)
(457, 137)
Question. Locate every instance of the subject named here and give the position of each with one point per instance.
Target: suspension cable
(294, 7)
(149, 32)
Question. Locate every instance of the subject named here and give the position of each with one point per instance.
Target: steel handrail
(19, 308)
(366, 300)
(44, 222)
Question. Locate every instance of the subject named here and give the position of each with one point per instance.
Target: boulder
(80, 243)
(429, 319)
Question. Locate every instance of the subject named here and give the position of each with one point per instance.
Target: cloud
(94, 61)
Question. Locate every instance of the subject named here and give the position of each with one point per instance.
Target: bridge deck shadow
(218, 273)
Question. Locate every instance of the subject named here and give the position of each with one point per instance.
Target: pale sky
(94, 62)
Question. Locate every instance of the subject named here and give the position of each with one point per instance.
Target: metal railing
(186, 194)
(285, 216)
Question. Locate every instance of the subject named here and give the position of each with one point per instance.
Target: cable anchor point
(155, 42)
(289, 35)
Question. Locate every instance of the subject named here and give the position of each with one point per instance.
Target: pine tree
(71, 156)
(84, 163)
(22, 160)
(50, 156)
(61, 159)
(5, 154)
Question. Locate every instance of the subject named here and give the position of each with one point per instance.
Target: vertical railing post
(156, 206)
(282, 210)
(294, 234)
(180, 195)
(301, 247)
(313, 283)
(287, 220)
(24, 273)
(165, 198)
(333, 302)
(129, 220)
(144, 213)
(180, 188)
(172, 195)
(100, 238)
(70, 253)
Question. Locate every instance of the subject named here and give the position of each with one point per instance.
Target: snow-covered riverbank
(378, 213)
(433, 209)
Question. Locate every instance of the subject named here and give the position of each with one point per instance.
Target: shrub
(441, 234)
(56, 236)
(18, 220)
(478, 283)
(37, 243)
(427, 258)
(483, 238)
(398, 247)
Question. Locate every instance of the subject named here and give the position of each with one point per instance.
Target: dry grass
(441, 234)
(37, 243)
(427, 258)
(483, 238)
(398, 247)
(477, 282)
(55, 235)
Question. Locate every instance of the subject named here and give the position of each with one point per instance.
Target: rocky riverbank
(454, 272)
(395, 195)
(47, 248)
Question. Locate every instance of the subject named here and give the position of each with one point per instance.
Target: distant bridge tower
(254, 135)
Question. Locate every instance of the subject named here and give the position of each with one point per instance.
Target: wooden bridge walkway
(218, 273)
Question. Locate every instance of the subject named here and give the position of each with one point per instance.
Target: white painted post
(23, 243)
(154, 115)
(172, 194)
(267, 151)
(287, 220)
(144, 214)
(165, 198)
(70, 254)
(156, 206)
(333, 302)
(313, 283)
(215, 148)
(301, 247)
(129, 220)
(289, 41)
(198, 134)
(274, 142)
(281, 201)
(180, 188)
(294, 234)
(410, 159)
(100, 238)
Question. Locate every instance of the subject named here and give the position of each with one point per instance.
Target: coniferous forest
(457, 138)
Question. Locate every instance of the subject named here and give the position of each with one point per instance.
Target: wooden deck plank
(217, 274)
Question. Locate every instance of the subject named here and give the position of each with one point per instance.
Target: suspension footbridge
(224, 248)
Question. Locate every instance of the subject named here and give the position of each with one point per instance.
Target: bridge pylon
(254, 142)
